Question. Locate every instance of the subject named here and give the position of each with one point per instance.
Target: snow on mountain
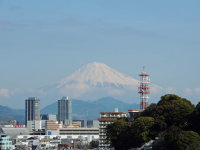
(97, 74)
(96, 80)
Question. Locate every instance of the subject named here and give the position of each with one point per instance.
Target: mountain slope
(7, 114)
(80, 109)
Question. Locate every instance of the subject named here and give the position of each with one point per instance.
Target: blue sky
(43, 41)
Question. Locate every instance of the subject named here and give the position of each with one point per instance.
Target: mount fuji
(96, 80)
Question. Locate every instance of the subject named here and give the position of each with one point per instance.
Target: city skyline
(42, 42)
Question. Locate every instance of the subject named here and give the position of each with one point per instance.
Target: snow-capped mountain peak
(95, 74)
(96, 80)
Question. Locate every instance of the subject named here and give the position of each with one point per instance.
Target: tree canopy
(119, 133)
(173, 119)
(175, 138)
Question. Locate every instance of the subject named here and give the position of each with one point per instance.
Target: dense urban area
(172, 123)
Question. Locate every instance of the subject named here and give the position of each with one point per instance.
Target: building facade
(32, 109)
(34, 125)
(78, 133)
(132, 113)
(5, 143)
(107, 118)
(65, 111)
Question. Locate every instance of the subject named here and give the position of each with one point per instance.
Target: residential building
(65, 111)
(5, 143)
(105, 119)
(32, 109)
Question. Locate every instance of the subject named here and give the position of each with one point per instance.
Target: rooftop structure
(15, 131)
(133, 113)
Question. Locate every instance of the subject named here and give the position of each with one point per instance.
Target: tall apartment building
(32, 109)
(65, 111)
(107, 118)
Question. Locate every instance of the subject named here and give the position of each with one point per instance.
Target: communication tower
(144, 89)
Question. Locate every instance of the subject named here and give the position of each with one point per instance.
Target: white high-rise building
(107, 118)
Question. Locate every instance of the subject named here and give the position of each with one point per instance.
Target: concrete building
(52, 127)
(92, 124)
(133, 113)
(76, 124)
(88, 123)
(52, 117)
(34, 125)
(45, 117)
(14, 132)
(5, 142)
(48, 117)
(87, 133)
(107, 118)
(32, 109)
(75, 141)
(65, 111)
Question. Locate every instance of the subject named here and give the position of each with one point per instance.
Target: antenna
(144, 89)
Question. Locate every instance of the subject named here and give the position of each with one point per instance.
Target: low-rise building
(52, 127)
(13, 132)
(50, 124)
(88, 123)
(34, 125)
(5, 143)
(80, 132)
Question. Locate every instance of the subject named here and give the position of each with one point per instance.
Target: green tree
(124, 135)
(118, 133)
(170, 110)
(174, 109)
(167, 119)
(194, 121)
(94, 144)
(176, 139)
(141, 130)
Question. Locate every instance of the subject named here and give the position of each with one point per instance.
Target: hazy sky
(42, 41)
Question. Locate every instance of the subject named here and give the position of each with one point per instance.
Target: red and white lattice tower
(144, 89)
